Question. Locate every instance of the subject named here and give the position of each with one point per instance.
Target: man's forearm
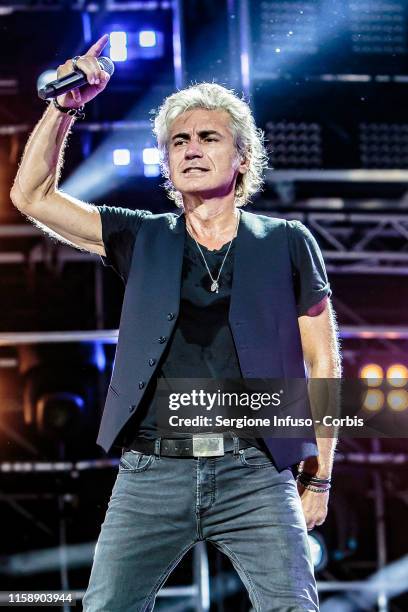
(322, 465)
(42, 160)
(330, 375)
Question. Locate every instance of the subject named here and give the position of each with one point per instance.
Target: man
(215, 292)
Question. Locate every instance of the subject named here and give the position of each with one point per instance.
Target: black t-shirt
(202, 344)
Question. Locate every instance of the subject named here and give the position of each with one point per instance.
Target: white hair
(248, 139)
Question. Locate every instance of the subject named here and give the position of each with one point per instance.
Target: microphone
(74, 79)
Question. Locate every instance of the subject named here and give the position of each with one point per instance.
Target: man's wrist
(313, 467)
(60, 101)
(62, 118)
(72, 112)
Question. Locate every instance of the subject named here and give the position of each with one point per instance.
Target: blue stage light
(151, 170)
(151, 161)
(100, 357)
(118, 46)
(121, 157)
(147, 38)
(318, 550)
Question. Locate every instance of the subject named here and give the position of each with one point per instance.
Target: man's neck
(212, 224)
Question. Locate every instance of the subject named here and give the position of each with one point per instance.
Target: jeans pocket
(134, 461)
(253, 457)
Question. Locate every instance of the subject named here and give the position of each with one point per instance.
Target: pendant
(215, 286)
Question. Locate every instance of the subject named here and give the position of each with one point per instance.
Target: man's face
(203, 159)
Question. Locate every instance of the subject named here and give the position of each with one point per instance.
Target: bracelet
(305, 482)
(73, 112)
(313, 486)
(318, 480)
(314, 479)
(317, 489)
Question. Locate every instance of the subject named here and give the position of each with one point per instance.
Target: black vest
(263, 317)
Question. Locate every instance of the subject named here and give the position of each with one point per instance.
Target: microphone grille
(106, 64)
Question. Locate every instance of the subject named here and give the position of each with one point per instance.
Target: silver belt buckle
(208, 445)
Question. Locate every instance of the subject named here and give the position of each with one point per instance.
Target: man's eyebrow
(180, 135)
(202, 134)
(205, 133)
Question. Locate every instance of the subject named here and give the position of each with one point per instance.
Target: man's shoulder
(262, 224)
(166, 217)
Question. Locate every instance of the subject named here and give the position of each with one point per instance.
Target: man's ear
(244, 160)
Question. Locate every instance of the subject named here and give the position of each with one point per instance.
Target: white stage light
(151, 155)
(121, 157)
(147, 38)
(118, 46)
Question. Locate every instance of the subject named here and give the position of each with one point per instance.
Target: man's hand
(97, 78)
(314, 506)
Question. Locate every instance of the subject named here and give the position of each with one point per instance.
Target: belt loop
(157, 446)
(236, 443)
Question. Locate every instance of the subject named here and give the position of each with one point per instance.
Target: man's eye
(178, 142)
(211, 139)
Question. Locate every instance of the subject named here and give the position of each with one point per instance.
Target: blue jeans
(161, 506)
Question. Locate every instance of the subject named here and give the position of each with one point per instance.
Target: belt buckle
(208, 445)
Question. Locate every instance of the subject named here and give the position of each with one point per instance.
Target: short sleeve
(119, 230)
(309, 272)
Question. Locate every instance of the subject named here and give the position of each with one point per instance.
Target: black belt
(187, 447)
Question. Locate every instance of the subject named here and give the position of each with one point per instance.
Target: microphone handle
(62, 85)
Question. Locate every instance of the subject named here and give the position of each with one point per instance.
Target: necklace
(215, 285)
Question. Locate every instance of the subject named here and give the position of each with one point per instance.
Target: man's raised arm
(35, 191)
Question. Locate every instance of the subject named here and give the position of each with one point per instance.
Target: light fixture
(397, 375)
(318, 550)
(397, 400)
(147, 38)
(118, 46)
(373, 400)
(373, 374)
(121, 157)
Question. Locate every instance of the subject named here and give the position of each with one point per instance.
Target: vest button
(132, 407)
(162, 339)
(141, 384)
(170, 316)
(152, 362)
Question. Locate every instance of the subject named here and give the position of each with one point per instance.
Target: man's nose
(193, 150)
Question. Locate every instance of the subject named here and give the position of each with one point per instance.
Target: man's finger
(76, 95)
(98, 47)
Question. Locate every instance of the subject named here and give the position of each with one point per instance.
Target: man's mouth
(195, 170)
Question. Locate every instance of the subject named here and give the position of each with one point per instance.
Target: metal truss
(374, 175)
(89, 126)
(359, 243)
(110, 336)
(352, 243)
(11, 6)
